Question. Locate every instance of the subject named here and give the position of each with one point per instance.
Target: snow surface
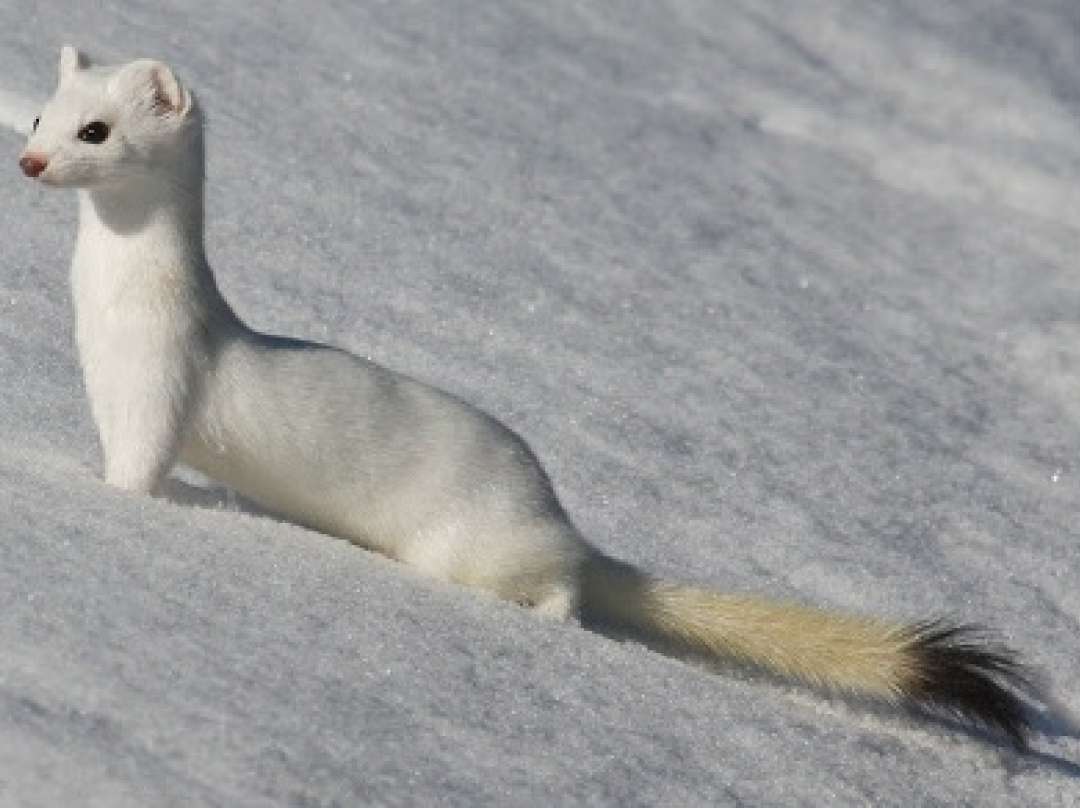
(784, 295)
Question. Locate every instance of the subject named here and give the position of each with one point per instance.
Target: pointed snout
(32, 164)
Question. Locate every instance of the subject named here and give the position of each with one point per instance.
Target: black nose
(33, 164)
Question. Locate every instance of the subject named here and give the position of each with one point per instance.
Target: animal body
(349, 448)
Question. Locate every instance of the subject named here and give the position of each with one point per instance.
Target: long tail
(947, 668)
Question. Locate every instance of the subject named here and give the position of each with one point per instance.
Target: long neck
(156, 216)
(151, 226)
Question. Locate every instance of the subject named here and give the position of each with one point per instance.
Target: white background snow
(784, 295)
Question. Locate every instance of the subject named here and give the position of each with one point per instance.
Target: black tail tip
(963, 671)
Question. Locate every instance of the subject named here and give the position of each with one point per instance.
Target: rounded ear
(154, 85)
(72, 60)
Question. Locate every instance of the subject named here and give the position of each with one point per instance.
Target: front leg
(142, 406)
(142, 443)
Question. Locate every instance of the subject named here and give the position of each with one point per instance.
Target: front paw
(132, 478)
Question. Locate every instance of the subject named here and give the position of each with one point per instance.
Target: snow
(783, 295)
(16, 113)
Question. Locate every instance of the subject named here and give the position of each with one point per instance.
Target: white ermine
(340, 444)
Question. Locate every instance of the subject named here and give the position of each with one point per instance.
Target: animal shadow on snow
(211, 496)
(1051, 720)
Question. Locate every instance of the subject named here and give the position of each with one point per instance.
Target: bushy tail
(955, 669)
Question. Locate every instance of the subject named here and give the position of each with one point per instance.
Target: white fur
(313, 433)
(347, 447)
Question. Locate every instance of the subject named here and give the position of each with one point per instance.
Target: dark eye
(95, 132)
(36, 122)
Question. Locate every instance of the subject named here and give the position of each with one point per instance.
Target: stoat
(338, 443)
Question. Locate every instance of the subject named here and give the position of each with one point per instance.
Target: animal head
(106, 126)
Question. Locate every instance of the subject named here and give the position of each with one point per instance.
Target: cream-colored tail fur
(950, 668)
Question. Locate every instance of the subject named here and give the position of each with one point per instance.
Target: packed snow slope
(784, 295)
